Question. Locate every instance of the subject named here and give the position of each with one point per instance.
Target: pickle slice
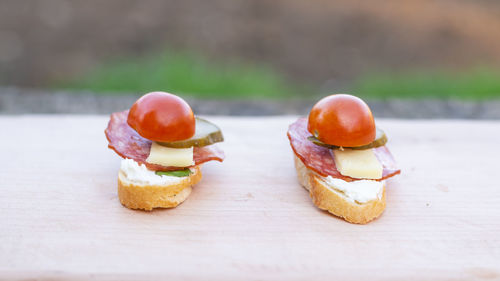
(206, 133)
(380, 140)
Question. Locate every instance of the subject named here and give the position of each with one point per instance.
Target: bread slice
(326, 197)
(146, 197)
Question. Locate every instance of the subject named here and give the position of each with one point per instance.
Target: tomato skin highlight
(163, 117)
(342, 120)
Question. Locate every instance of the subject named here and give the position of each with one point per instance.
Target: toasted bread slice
(146, 197)
(326, 197)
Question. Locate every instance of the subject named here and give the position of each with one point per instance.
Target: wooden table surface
(248, 219)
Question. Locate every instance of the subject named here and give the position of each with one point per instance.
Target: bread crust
(335, 202)
(147, 197)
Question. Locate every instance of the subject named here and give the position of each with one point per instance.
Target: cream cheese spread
(139, 174)
(360, 191)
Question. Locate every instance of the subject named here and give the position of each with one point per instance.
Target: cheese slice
(172, 157)
(360, 164)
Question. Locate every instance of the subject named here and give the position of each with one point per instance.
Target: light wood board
(248, 219)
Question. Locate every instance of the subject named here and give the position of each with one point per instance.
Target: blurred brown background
(316, 41)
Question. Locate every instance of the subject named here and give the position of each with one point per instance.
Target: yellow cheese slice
(172, 157)
(360, 164)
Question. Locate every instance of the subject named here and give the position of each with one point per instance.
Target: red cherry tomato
(160, 116)
(342, 120)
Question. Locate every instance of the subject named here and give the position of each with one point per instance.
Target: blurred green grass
(480, 83)
(191, 74)
(185, 73)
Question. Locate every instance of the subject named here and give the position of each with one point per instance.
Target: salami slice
(320, 159)
(127, 143)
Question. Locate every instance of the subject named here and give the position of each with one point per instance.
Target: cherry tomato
(160, 116)
(342, 120)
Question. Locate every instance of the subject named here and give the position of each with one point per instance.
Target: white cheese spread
(360, 191)
(139, 174)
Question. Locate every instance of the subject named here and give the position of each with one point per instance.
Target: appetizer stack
(164, 145)
(340, 155)
(341, 158)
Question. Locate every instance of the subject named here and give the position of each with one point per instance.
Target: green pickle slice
(178, 173)
(206, 133)
(380, 140)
